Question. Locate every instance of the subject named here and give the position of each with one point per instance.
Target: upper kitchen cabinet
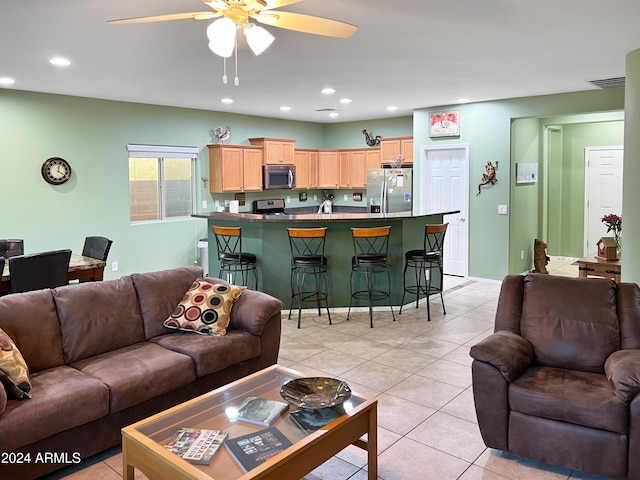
(235, 168)
(391, 147)
(306, 162)
(353, 168)
(277, 151)
(328, 169)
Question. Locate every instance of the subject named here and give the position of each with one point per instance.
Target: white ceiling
(408, 53)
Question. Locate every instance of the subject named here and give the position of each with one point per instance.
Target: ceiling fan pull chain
(224, 70)
(236, 80)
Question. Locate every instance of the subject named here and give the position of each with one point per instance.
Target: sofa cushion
(139, 372)
(209, 353)
(14, 374)
(582, 398)
(30, 319)
(98, 317)
(61, 398)
(205, 308)
(159, 293)
(579, 329)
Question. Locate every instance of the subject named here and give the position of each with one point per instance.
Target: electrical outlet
(502, 210)
(204, 204)
(346, 197)
(315, 198)
(521, 254)
(217, 203)
(288, 198)
(114, 266)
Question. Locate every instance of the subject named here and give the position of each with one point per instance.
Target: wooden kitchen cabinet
(373, 158)
(391, 147)
(353, 168)
(235, 168)
(306, 162)
(277, 151)
(328, 169)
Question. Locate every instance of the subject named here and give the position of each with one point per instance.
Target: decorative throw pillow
(14, 373)
(205, 308)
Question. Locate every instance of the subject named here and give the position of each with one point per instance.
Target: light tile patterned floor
(420, 373)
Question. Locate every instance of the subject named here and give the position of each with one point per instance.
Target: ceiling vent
(607, 83)
(327, 110)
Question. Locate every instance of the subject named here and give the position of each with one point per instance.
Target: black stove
(269, 207)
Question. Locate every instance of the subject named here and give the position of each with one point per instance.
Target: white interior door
(445, 186)
(603, 191)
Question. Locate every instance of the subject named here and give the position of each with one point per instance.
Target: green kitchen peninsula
(266, 237)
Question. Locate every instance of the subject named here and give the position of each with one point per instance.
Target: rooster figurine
(371, 140)
(221, 134)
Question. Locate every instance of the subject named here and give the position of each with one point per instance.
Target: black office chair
(97, 247)
(371, 247)
(424, 262)
(308, 261)
(39, 270)
(11, 247)
(232, 258)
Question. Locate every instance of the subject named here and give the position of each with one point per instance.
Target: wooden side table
(593, 266)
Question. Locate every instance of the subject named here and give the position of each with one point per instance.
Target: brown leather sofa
(100, 358)
(558, 380)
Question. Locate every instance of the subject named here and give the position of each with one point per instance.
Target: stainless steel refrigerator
(389, 190)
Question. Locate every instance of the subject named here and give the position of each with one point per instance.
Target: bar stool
(308, 260)
(424, 262)
(232, 258)
(371, 247)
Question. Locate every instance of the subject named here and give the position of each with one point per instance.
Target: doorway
(445, 186)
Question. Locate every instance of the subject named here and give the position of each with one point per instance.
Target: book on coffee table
(255, 448)
(260, 411)
(197, 446)
(312, 419)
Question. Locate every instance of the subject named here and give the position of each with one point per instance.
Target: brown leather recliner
(558, 380)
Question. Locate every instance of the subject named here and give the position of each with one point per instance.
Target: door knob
(463, 219)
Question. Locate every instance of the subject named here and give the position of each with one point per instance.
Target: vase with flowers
(614, 224)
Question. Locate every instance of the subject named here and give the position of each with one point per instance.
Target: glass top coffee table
(142, 442)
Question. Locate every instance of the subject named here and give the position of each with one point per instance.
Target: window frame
(160, 153)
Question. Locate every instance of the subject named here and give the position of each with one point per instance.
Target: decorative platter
(315, 392)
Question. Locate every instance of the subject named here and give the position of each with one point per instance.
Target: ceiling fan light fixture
(258, 38)
(222, 37)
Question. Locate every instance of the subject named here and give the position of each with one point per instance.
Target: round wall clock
(56, 171)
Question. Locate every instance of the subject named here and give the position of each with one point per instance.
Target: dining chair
(97, 247)
(233, 259)
(39, 270)
(11, 247)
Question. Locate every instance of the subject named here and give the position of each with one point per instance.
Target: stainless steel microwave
(278, 176)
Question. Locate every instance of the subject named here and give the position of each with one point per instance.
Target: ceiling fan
(233, 15)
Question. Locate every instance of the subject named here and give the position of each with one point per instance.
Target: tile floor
(419, 372)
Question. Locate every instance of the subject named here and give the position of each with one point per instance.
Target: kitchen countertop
(335, 217)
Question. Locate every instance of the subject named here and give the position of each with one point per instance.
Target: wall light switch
(503, 210)
(204, 204)
(114, 266)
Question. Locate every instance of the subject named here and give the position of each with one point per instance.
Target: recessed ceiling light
(345, 100)
(285, 108)
(328, 91)
(334, 114)
(59, 62)
(7, 81)
(392, 108)
(463, 100)
(226, 100)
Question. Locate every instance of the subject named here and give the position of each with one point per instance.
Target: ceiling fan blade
(165, 18)
(271, 4)
(306, 23)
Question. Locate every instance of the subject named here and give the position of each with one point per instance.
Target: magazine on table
(255, 448)
(261, 411)
(196, 445)
(312, 419)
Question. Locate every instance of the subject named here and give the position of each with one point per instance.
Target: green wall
(486, 128)
(93, 134)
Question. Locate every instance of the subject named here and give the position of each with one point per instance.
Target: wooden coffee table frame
(307, 453)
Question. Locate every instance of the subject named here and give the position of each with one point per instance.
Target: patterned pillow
(14, 373)
(205, 308)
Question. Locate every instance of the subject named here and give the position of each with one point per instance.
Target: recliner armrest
(623, 372)
(252, 310)
(3, 399)
(507, 351)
